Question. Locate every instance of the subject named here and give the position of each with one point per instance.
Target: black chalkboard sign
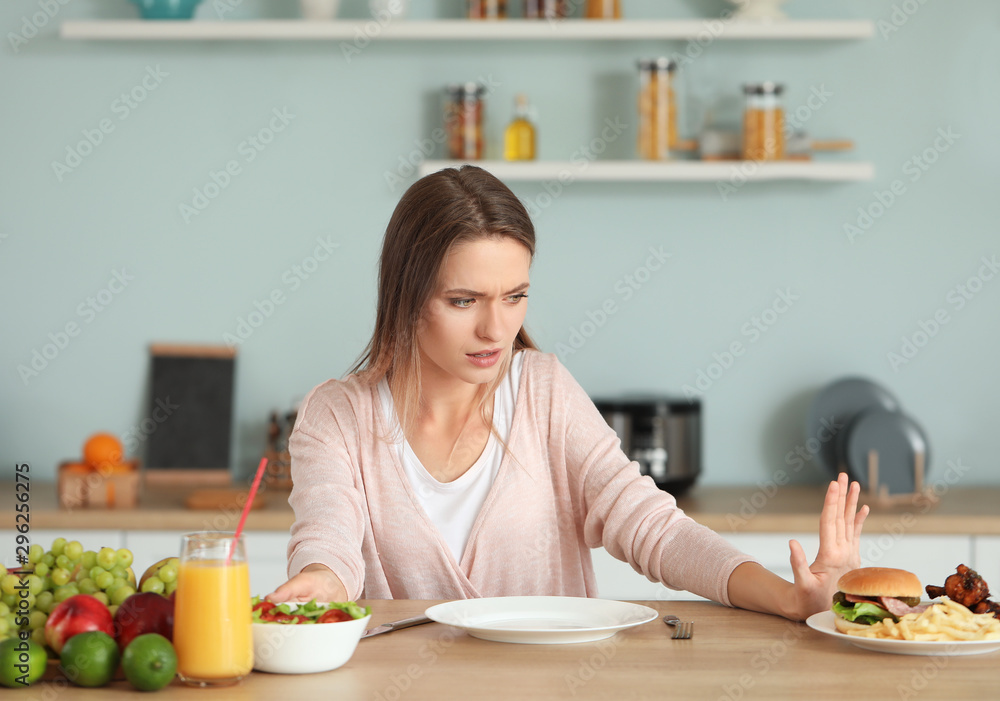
(191, 405)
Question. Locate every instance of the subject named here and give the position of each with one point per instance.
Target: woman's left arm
(755, 588)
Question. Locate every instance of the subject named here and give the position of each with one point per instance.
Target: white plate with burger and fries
(879, 608)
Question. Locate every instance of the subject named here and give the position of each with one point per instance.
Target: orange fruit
(102, 449)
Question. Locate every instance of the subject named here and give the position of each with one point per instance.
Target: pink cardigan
(564, 487)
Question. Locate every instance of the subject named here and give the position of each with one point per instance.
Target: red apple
(144, 613)
(77, 614)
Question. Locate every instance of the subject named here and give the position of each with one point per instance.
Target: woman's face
(476, 310)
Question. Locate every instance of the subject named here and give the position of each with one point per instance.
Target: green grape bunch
(54, 575)
(161, 578)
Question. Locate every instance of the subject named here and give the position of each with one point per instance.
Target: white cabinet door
(150, 547)
(930, 557)
(90, 540)
(771, 549)
(986, 561)
(617, 580)
(265, 554)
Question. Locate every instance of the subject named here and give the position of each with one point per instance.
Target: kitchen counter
(749, 509)
(733, 655)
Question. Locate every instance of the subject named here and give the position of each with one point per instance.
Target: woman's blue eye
(465, 303)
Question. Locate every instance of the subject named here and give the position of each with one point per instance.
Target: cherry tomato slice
(335, 616)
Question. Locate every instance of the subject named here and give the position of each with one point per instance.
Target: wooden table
(733, 655)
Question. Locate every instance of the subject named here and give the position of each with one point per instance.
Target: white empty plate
(823, 622)
(541, 619)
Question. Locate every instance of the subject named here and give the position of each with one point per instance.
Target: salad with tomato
(264, 611)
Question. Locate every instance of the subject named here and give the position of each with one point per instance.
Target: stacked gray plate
(854, 416)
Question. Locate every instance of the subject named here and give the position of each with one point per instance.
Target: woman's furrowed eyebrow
(472, 293)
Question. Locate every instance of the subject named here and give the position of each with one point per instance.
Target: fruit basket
(82, 487)
(102, 479)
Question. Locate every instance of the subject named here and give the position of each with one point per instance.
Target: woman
(458, 461)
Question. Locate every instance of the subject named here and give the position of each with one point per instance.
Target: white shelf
(438, 30)
(669, 171)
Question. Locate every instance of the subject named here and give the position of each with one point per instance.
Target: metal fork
(683, 630)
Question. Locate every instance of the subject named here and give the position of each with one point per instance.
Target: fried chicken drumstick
(966, 587)
(987, 607)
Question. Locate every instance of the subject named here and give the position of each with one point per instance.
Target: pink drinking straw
(246, 508)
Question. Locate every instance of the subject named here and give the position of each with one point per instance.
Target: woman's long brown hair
(437, 212)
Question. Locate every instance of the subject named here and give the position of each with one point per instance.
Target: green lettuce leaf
(865, 612)
(312, 609)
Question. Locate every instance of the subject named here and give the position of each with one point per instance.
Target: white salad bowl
(290, 648)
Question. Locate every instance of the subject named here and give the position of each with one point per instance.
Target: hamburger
(870, 594)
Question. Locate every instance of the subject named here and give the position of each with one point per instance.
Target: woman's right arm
(325, 560)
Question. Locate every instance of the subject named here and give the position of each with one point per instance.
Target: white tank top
(453, 506)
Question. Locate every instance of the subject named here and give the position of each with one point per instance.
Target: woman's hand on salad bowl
(315, 582)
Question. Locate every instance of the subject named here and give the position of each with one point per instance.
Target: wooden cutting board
(223, 499)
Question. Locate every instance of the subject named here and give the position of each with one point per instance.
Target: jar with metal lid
(463, 120)
(486, 9)
(546, 9)
(604, 9)
(763, 122)
(657, 109)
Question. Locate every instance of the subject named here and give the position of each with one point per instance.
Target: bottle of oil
(519, 138)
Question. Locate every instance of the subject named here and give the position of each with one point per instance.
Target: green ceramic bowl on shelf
(167, 9)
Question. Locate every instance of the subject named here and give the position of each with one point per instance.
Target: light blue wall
(324, 176)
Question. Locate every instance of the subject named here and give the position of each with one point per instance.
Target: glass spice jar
(546, 9)
(486, 9)
(763, 122)
(657, 109)
(604, 9)
(463, 121)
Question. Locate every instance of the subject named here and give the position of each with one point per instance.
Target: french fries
(944, 621)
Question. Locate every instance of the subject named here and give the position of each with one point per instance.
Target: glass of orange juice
(212, 633)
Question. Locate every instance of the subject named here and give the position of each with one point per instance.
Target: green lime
(22, 662)
(90, 659)
(149, 662)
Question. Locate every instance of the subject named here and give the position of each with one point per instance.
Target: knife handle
(407, 622)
